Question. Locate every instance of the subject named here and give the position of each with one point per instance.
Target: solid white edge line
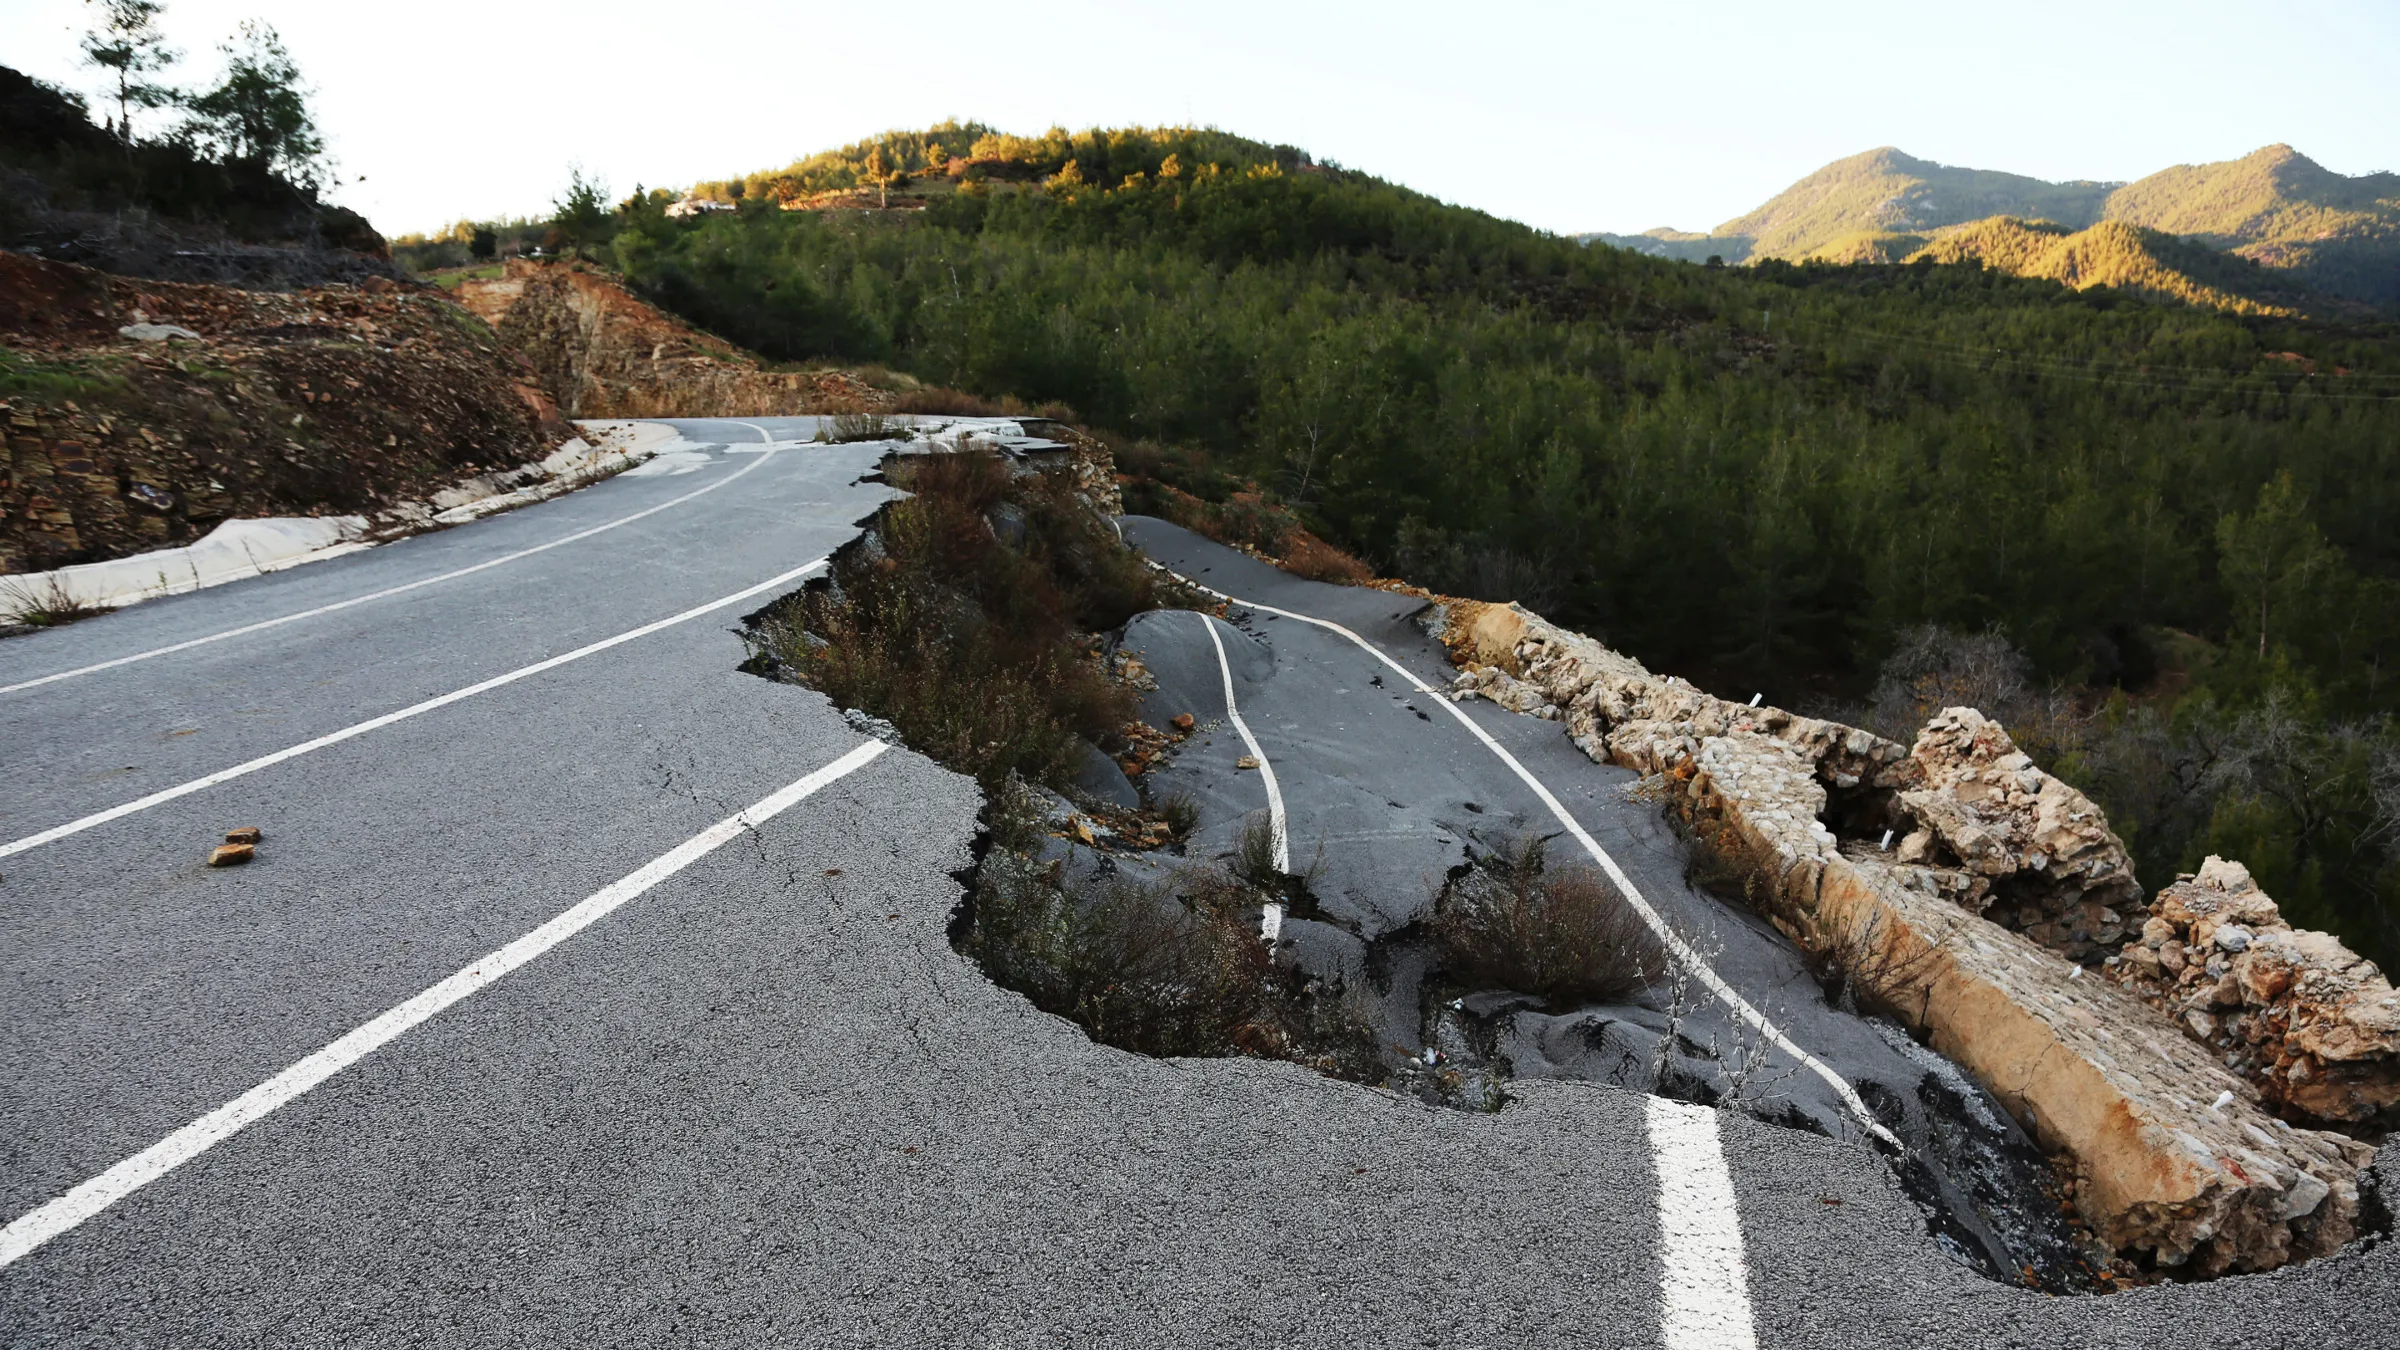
(1270, 923)
(1675, 945)
(383, 594)
(38, 1226)
(1704, 1278)
(57, 832)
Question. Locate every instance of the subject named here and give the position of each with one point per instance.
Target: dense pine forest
(2163, 541)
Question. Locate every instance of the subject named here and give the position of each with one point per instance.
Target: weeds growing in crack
(970, 645)
(1173, 966)
(1561, 933)
(44, 604)
(969, 618)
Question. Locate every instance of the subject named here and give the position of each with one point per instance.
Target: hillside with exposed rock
(601, 351)
(143, 414)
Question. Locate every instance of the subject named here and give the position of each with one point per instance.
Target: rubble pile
(1973, 929)
(601, 351)
(139, 414)
(2039, 854)
(2314, 1026)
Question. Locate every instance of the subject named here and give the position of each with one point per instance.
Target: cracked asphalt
(765, 1102)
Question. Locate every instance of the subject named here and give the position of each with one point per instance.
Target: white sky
(1570, 117)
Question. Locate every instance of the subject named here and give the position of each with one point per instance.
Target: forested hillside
(1770, 478)
(2111, 253)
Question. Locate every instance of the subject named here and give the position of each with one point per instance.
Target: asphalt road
(763, 1101)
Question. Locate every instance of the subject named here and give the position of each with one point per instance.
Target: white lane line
(763, 437)
(1270, 924)
(57, 832)
(383, 594)
(1675, 945)
(30, 1230)
(1704, 1280)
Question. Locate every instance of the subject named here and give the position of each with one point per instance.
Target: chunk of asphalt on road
(384, 594)
(31, 1230)
(57, 832)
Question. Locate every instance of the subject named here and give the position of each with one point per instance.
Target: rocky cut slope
(141, 414)
(602, 351)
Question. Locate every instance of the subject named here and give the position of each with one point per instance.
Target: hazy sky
(1569, 117)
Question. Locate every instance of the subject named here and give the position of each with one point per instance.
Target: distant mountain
(2283, 210)
(2275, 207)
(2127, 257)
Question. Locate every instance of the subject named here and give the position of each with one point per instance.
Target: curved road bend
(760, 1099)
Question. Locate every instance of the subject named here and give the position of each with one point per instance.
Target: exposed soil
(333, 400)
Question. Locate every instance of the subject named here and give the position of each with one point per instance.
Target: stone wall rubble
(2315, 1026)
(1972, 930)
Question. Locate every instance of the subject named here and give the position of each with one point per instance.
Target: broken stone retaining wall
(1972, 931)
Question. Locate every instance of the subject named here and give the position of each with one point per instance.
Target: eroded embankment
(142, 414)
(1960, 887)
(601, 351)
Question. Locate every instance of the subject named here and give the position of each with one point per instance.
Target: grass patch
(23, 376)
(43, 604)
(1564, 934)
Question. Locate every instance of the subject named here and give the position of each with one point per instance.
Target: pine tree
(129, 47)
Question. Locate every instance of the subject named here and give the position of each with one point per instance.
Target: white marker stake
(1270, 924)
(33, 841)
(383, 594)
(1704, 1280)
(29, 1231)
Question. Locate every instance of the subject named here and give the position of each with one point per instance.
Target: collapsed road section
(1434, 929)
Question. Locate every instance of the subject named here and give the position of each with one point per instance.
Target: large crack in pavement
(1392, 804)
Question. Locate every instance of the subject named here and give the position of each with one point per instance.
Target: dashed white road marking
(1270, 925)
(1704, 1279)
(383, 594)
(57, 832)
(38, 1226)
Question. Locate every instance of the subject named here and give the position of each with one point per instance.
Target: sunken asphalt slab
(765, 1103)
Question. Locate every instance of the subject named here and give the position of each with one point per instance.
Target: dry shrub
(1563, 934)
(843, 427)
(964, 642)
(1168, 969)
(945, 403)
(1305, 555)
(1174, 967)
